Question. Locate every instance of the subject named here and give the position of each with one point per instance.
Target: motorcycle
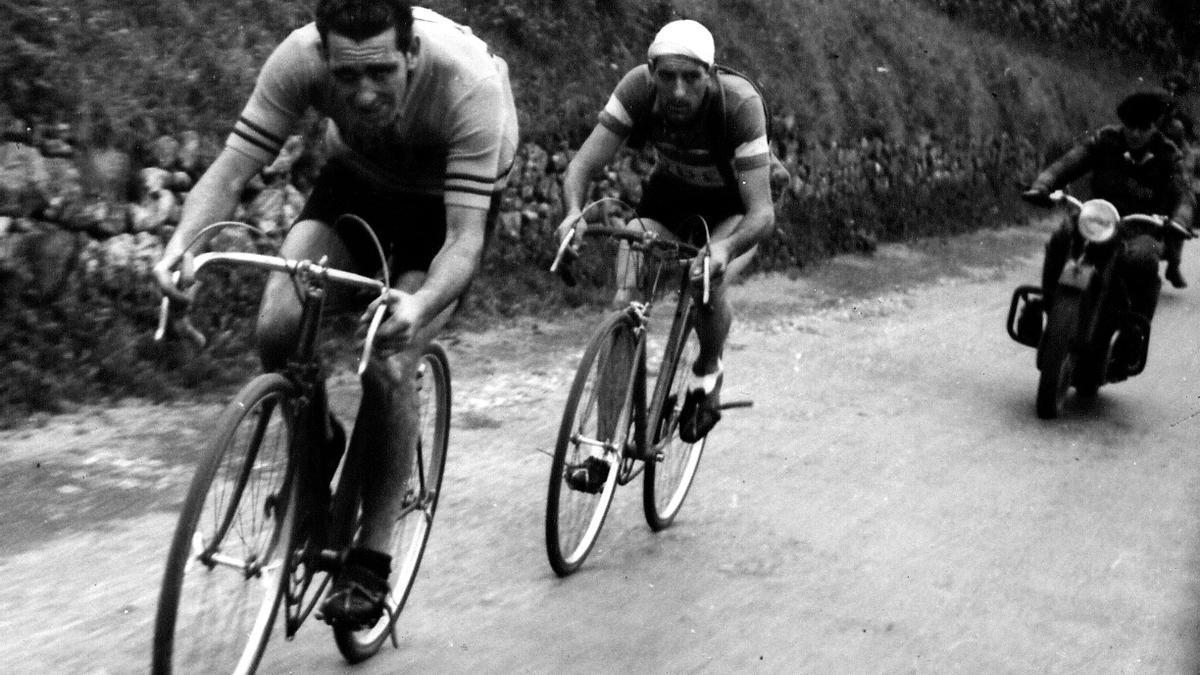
(1090, 336)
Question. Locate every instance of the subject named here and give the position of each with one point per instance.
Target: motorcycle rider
(1136, 168)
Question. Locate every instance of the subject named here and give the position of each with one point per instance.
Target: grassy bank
(847, 68)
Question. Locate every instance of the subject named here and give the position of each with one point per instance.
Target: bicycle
(269, 515)
(608, 418)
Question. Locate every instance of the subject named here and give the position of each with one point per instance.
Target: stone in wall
(24, 179)
(157, 205)
(275, 208)
(64, 189)
(37, 259)
(190, 153)
(165, 152)
(110, 171)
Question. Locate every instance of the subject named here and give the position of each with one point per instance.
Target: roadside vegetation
(899, 118)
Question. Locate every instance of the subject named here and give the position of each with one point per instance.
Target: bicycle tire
(254, 435)
(574, 517)
(672, 464)
(410, 534)
(1057, 363)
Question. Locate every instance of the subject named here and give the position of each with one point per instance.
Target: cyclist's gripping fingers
(572, 225)
(401, 322)
(718, 260)
(175, 275)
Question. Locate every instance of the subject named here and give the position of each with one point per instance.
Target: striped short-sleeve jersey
(684, 152)
(455, 133)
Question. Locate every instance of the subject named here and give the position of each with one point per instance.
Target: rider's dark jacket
(1150, 179)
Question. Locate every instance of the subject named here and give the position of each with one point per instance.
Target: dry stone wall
(102, 215)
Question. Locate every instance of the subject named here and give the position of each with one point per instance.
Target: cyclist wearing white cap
(709, 130)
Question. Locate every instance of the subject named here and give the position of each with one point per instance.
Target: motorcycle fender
(1076, 275)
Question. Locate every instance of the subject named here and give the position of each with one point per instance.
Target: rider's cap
(1142, 109)
(684, 38)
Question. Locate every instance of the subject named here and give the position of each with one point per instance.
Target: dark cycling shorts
(674, 204)
(410, 227)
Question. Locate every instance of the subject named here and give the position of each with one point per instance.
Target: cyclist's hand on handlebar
(172, 282)
(573, 221)
(570, 237)
(404, 317)
(175, 275)
(718, 260)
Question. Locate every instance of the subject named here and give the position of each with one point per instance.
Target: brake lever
(164, 311)
(564, 268)
(185, 327)
(164, 315)
(372, 329)
(562, 248)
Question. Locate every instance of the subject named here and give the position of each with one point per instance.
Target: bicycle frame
(329, 538)
(666, 254)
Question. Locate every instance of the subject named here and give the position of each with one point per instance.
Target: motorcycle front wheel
(1057, 360)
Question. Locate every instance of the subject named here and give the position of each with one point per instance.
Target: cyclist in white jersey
(422, 134)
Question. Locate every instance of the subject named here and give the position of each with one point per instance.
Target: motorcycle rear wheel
(1057, 360)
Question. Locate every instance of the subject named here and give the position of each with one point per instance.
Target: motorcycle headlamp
(1097, 220)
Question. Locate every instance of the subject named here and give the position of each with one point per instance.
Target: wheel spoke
(222, 581)
(596, 423)
(411, 530)
(670, 474)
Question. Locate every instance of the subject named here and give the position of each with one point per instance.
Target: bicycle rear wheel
(411, 531)
(596, 423)
(220, 591)
(671, 470)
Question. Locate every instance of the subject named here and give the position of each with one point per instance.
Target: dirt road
(890, 504)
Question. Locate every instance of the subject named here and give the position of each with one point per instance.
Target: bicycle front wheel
(672, 467)
(595, 426)
(411, 531)
(220, 591)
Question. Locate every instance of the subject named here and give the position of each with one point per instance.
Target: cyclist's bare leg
(388, 426)
(714, 320)
(279, 310)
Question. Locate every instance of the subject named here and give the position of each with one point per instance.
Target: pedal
(329, 560)
(735, 404)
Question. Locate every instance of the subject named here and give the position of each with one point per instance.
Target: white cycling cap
(684, 38)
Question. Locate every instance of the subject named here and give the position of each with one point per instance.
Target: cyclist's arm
(595, 153)
(754, 185)
(454, 265)
(213, 198)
